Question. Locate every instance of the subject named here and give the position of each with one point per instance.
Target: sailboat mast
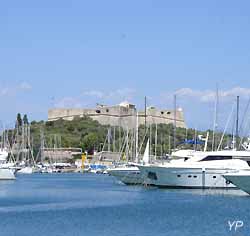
(127, 147)
(109, 138)
(137, 137)
(156, 141)
(150, 140)
(237, 121)
(215, 118)
(145, 112)
(114, 149)
(174, 121)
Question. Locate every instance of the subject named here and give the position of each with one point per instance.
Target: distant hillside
(90, 135)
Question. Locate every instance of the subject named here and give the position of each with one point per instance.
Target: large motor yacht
(197, 169)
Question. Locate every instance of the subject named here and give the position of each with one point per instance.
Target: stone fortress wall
(123, 115)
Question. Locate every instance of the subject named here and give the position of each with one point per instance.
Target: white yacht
(3, 155)
(241, 179)
(26, 170)
(197, 170)
(5, 172)
(130, 173)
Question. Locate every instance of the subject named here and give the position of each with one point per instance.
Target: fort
(124, 115)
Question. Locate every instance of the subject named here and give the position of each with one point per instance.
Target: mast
(169, 144)
(237, 122)
(109, 138)
(127, 151)
(150, 140)
(145, 112)
(215, 117)
(174, 121)
(137, 138)
(42, 144)
(206, 142)
(114, 149)
(156, 141)
(3, 139)
(119, 130)
(195, 139)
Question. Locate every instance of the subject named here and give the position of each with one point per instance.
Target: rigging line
(143, 140)
(244, 115)
(243, 121)
(228, 120)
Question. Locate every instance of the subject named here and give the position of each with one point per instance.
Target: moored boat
(26, 170)
(130, 173)
(241, 179)
(6, 174)
(199, 170)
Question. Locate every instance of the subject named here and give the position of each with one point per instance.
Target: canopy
(191, 141)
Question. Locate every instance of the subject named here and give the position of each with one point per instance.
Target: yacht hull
(174, 177)
(7, 174)
(241, 180)
(26, 170)
(127, 176)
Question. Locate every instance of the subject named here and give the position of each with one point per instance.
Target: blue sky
(77, 53)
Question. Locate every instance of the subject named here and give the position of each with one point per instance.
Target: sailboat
(26, 170)
(130, 173)
(5, 172)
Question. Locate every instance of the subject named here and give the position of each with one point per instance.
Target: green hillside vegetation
(89, 135)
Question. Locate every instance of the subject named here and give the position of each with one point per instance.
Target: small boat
(26, 170)
(6, 174)
(130, 173)
(240, 179)
(3, 155)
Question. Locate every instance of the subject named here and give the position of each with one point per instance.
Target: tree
(90, 141)
(25, 120)
(19, 120)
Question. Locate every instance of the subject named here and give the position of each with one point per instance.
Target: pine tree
(19, 120)
(25, 120)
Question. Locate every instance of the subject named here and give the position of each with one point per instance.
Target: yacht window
(214, 177)
(152, 175)
(178, 176)
(136, 173)
(195, 176)
(189, 176)
(217, 158)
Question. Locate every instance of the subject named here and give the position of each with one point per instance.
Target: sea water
(98, 205)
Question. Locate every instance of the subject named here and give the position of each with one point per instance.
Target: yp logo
(235, 225)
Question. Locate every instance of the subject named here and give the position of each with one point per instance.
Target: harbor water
(89, 204)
